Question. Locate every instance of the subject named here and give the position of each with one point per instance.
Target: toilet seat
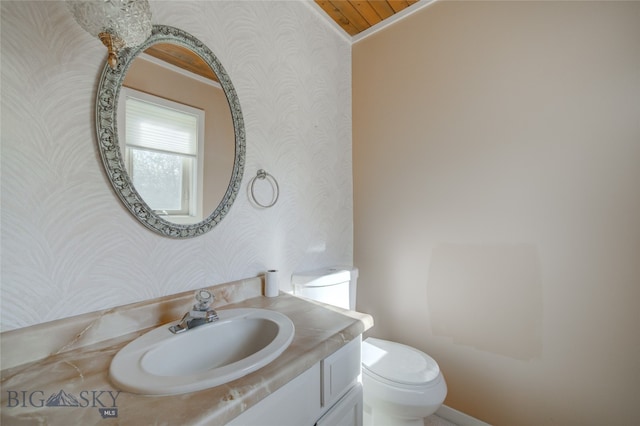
(397, 364)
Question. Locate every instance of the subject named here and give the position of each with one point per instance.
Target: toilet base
(373, 417)
(398, 405)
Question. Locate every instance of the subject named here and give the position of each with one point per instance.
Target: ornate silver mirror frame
(106, 126)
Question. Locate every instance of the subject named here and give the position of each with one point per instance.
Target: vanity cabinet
(327, 394)
(347, 411)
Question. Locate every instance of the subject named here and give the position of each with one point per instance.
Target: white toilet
(401, 384)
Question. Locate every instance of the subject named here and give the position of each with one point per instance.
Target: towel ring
(261, 174)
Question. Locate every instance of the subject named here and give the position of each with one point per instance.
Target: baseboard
(458, 417)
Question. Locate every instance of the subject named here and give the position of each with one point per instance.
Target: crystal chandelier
(117, 23)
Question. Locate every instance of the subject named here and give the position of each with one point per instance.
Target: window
(163, 154)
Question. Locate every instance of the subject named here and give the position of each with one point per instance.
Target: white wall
(69, 247)
(497, 203)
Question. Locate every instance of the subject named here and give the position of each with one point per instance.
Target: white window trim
(127, 92)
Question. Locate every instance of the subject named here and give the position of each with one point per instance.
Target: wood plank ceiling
(355, 16)
(183, 58)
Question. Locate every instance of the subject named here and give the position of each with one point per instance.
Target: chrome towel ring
(261, 174)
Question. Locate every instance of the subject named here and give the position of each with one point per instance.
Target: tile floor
(434, 420)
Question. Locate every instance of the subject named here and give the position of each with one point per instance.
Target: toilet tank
(334, 286)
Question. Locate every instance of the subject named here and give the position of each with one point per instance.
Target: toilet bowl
(401, 384)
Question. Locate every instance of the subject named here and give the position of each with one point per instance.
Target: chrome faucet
(199, 315)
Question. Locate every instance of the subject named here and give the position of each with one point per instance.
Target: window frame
(194, 211)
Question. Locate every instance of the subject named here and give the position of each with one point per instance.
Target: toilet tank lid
(324, 276)
(397, 362)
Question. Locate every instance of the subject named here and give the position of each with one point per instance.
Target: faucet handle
(204, 298)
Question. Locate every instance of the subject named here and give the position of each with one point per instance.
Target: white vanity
(313, 382)
(327, 394)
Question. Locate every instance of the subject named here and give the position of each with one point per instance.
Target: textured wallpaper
(69, 246)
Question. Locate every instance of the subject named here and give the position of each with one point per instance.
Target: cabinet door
(347, 412)
(296, 403)
(340, 371)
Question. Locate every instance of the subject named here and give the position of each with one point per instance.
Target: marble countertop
(57, 373)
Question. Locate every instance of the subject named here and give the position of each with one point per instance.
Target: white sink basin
(240, 342)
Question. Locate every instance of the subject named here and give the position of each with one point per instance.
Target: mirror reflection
(171, 134)
(176, 133)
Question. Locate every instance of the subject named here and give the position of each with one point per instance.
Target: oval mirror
(171, 133)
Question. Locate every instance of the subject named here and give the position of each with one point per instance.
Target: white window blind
(159, 128)
(163, 146)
